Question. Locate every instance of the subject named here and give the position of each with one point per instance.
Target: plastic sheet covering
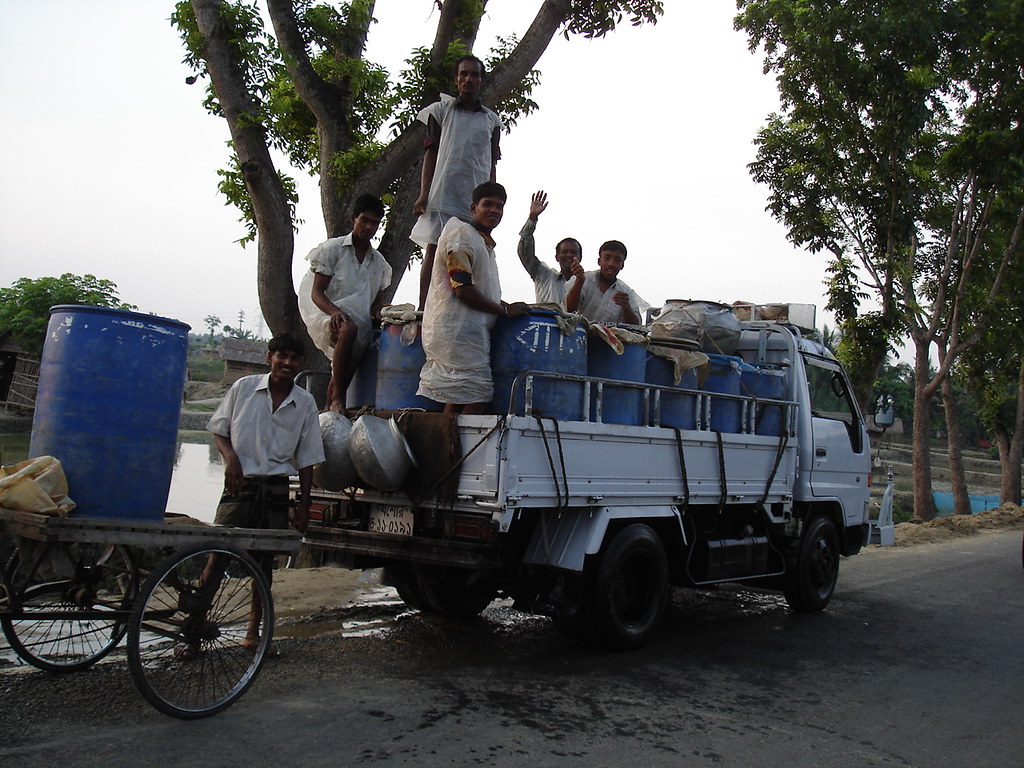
(36, 485)
(681, 359)
(615, 337)
(337, 471)
(714, 327)
(400, 314)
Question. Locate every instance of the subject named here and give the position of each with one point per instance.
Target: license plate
(387, 518)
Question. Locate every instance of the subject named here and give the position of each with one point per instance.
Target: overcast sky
(109, 160)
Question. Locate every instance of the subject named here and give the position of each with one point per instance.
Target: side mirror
(885, 413)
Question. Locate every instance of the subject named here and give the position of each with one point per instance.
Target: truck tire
(625, 601)
(459, 593)
(811, 577)
(404, 582)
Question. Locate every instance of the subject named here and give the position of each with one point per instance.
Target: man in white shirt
(266, 429)
(461, 152)
(599, 295)
(463, 302)
(549, 284)
(342, 294)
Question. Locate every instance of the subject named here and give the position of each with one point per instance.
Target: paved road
(917, 662)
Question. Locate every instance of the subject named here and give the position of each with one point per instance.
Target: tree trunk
(957, 479)
(924, 505)
(1010, 458)
(395, 244)
(269, 199)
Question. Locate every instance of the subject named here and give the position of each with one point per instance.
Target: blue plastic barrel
(534, 342)
(362, 390)
(765, 381)
(398, 371)
(723, 377)
(619, 405)
(676, 410)
(109, 401)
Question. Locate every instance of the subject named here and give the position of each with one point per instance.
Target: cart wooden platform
(193, 602)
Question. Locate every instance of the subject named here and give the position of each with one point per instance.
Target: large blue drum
(619, 405)
(675, 410)
(765, 382)
(362, 390)
(398, 370)
(723, 377)
(108, 405)
(534, 342)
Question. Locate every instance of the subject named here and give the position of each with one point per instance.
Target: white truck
(593, 523)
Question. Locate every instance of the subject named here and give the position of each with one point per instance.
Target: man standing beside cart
(267, 430)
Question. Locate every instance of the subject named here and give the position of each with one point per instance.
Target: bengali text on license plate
(387, 518)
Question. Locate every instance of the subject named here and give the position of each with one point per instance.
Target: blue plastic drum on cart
(109, 400)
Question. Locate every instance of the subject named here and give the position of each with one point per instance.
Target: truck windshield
(830, 397)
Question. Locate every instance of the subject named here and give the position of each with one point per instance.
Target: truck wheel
(404, 582)
(459, 593)
(811, 578)
(626, 600)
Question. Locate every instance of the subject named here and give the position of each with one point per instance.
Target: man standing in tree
(462, 304)
(599, 295)
(549, 284)
(461, 152)
(342, 294)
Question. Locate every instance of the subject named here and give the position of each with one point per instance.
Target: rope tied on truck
(779, 453)
(551, 462)
(682, 468)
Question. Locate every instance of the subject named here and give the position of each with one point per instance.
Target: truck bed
(520, 462)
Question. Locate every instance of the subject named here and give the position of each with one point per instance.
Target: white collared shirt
(268, 442)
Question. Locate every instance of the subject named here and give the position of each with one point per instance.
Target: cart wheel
(72, 609)
(187, 637)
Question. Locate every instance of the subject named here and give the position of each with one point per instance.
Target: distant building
(19, 375)
(242, 357)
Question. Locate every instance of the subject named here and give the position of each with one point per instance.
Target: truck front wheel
(811, 577)
(625, 600)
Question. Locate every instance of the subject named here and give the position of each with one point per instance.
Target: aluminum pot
(337, 472)
(380, 453)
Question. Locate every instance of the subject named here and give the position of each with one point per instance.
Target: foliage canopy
(25, 306)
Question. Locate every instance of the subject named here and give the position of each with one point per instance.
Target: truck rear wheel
(625, 601)
(811, 578)
(460, 593)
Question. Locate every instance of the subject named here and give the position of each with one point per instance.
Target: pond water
(196, 481)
